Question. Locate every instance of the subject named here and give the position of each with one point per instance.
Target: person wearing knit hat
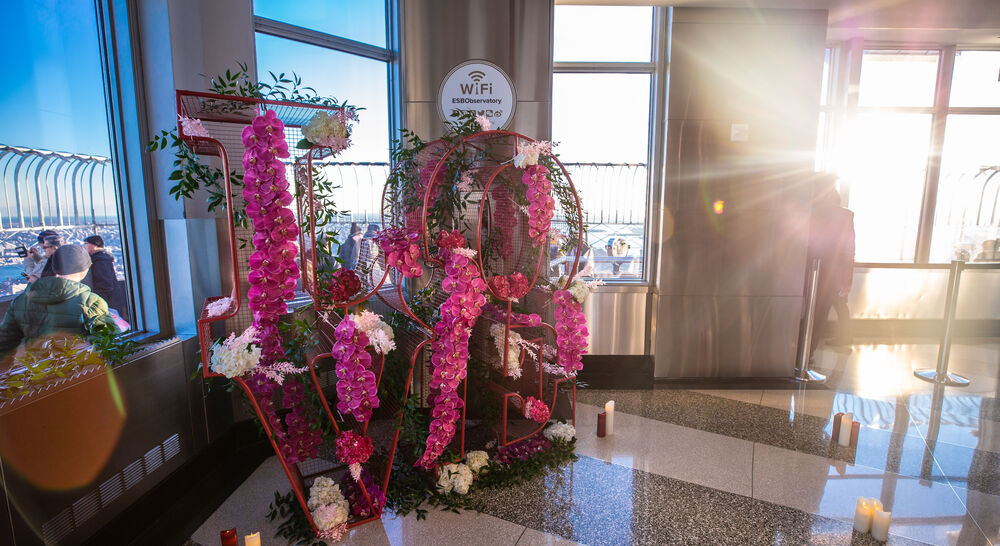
(57, 306)
(103, 279)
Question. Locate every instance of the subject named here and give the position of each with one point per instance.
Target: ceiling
(965, 22)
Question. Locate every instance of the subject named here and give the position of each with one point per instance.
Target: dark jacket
(47, 271)
(103, 280)
(52, 305)
(831, 239)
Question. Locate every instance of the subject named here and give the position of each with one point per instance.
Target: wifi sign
(476, 87)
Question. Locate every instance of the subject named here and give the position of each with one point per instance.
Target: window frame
(141, 241)
(842, 104)
(657, 68)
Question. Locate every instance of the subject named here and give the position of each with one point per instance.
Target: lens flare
(719, 206)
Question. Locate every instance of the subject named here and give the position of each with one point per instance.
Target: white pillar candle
(252, 540)
(609, 408)
(876, 504)
(863, 512)
(846, 422)
(880, 525)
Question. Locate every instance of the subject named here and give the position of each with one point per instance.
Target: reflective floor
(741, 466)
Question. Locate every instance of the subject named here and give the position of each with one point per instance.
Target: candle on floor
(602, 424)
(846, 422)
(228, 537)
(252, 540)
(880, 525)
(609, 408)
(863, 513)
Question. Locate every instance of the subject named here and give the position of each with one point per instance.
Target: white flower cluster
(193, 127)
(528, 153)
(514, 340)
(236, 356)
(562, 432)
(379, 333)
(477, 461)
(579, 288)
(326, 129)
(218, 306)
(454, 477)
(327, 504)
(467, 252)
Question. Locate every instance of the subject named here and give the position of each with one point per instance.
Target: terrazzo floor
(739, 466)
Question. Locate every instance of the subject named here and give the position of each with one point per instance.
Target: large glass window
(55, 146)
(358, 20)
(887, 155)
(610, 173)
(602, 34)
(343, 71)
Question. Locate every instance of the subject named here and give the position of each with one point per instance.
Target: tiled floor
(741, 466)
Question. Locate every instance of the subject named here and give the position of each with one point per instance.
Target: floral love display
(453, 248)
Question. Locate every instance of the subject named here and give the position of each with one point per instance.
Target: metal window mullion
(312, 37)
(939, 118)
(600, 67)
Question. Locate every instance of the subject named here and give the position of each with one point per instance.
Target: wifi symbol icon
(477, 76)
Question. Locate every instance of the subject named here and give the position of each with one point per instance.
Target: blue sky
(53, 96)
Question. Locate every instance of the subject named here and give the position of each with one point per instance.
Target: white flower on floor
(562, 432)
(327, 504)
(236, 356)
(454, 478)
(477, 460)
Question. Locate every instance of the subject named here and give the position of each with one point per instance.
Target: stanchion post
(940, 374)
(803, 373)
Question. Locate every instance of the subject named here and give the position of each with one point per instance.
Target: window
(56, 152)
(913, 107)
(314, 40)
(611, 174)
(967, 219)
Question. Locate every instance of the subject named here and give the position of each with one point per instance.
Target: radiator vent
(90, 504)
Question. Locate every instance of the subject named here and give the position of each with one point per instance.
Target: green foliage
(411, 488)
(112, 345)
(294, 526)
(190, 174)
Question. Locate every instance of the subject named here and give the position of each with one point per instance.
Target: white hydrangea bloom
(324, 128)
(236, 356)
(477, 460)
(331, 515)
(562, 432)
(324, 491)
(455, 477)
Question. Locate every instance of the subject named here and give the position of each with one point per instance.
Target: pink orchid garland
(357, 391)
(402, 250)
(571, 332)
(450, 349)
(541, 205)
(273, 274)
